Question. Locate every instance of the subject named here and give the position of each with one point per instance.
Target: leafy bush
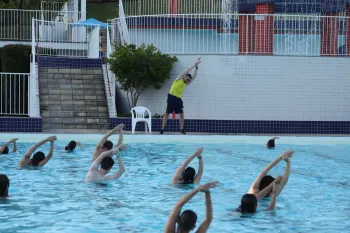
(138, 68)
(15, 58)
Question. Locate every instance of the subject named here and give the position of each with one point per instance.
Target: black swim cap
(249, 202)
(187, 220)
(188, 175)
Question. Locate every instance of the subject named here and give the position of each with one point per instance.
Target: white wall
(261, 88)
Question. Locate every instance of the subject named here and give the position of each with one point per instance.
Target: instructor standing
(174, 101)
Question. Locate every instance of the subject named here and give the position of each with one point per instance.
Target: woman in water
(5, 149)
(186, 221)
(39, 158)
(4, 186)
(188, 175)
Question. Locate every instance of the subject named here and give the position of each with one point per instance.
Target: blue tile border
(20, 124)
(68, 63)
(243, 127)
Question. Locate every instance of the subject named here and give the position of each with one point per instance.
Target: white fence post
(34, 103)
(109, 79)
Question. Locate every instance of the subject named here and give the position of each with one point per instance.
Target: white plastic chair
(138, 115)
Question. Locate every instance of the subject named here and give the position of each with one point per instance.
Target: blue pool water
(55, 198)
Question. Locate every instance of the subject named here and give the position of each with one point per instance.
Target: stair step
(69, 114)
(70, 100)
(75, 126)
(67, 72)
(76, 120)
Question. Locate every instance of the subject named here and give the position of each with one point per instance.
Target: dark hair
(6, 150)
(71, 146)
(108, 145)
(249, 203)
(188, 175)
(4, 185)
(107, 163)
(189, 75)
(266, 181)
(187, 221)
(37, 158)
(271, 143)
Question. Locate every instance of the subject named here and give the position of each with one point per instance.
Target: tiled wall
(68, 63)
(20, 124)
(243, 127)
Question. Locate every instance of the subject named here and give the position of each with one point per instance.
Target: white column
(83, 10)
(94, 42)
(75, 11)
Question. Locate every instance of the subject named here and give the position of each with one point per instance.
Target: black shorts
(174, 104)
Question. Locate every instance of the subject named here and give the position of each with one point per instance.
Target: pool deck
(201, 139)
(92, 131)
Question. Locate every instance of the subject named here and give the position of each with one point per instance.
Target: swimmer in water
(104, 163)
(105, 144)
(39, 158)
(265, 185)
(271, 143)
(188, 175)
(186, 221)
(5, 149)
(4, 186)
(71, 146)
(264, 182)
(249, 202)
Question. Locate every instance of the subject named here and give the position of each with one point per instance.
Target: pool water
(55, 198)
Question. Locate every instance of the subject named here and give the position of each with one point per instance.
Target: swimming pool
(56, 198)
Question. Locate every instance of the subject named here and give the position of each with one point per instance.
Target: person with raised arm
(271, 143)
(39, 158)
(105, 144)
(104, 163)
(174, 101)
(5, 148)
(187, 175)
(249, 202)
(4, 186)
(71, 146)
(263, 180)
(186, 221)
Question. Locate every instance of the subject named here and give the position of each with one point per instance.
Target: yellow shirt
(178, 88)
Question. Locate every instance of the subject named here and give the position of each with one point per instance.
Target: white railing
(15, 24)
(255, 34)
(34, 100)
(66, 39)
(156, 7)
(14, 94)
(109, 80)
(53, 6)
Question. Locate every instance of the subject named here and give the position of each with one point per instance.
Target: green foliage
(15, 58)
(8, 4)
(31, 4)
(139, 68)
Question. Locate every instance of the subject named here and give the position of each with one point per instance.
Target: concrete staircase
(73, 99)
